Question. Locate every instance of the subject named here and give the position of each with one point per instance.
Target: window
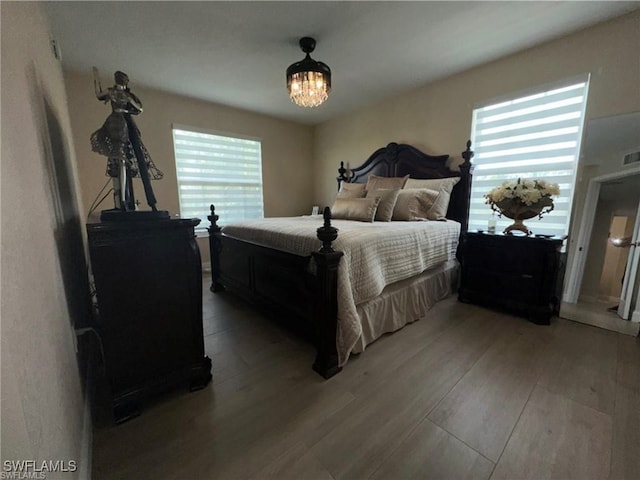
(220, 170)
(536, 135)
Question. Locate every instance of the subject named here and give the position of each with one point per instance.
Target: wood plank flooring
(465, 393)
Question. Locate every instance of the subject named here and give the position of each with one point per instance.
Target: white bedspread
(375, 255)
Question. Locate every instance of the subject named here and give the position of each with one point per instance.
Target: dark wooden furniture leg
(326, 300)
(215, 247)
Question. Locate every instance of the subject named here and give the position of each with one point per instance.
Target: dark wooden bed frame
(297, 289)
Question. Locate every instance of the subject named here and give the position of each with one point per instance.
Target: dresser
(520, 274)
(148, 283)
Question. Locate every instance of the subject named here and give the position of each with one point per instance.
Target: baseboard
(635, 317)
(609, 299)
(88, 352)
(206, 267)
(587, 299)
(598, 299)
(85, 460)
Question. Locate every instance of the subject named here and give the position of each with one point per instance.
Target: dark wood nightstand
(148, 280)
(521, 274)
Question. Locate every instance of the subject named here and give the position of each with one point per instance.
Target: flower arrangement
(522, 199)
(529, 192)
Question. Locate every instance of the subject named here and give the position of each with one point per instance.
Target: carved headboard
(398, 160)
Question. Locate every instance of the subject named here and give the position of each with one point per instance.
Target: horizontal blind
(220, 170)
(536, 136)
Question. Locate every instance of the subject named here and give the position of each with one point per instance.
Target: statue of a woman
(119, 140)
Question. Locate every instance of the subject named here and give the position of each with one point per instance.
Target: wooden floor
(467, 393)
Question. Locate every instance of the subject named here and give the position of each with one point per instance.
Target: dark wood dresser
(148, 281)
(521, 274)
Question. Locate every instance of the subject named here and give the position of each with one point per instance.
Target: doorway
(606, 239)
(615, 260)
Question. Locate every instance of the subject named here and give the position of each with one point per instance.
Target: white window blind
(220, 170)
(534, 136)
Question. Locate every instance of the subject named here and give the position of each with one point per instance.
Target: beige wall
(42, 251)
(286, 146)
(437, 116)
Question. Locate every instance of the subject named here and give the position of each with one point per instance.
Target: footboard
(278, 281)
(299, 290)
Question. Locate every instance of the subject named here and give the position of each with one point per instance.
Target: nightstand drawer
(495, 257)
(509, 287)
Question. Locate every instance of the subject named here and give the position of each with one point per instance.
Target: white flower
(527, 191)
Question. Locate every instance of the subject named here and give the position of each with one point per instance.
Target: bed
(344, 282)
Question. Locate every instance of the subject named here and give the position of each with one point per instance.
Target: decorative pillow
(443, 185)
(388, 199)
(375, 182)
(416, 204)
(352, 190)
(360, 209)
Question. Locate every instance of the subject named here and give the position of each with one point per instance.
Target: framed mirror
(601, 281)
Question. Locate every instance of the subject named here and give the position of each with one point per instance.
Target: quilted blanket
(375, 255)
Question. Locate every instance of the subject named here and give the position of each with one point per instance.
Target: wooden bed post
(325, 299)
(466, 172)
(215, 246)
(342, 177)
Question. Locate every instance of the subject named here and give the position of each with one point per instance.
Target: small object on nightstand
(492, 223)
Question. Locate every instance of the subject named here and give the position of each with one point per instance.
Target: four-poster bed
(346, 294)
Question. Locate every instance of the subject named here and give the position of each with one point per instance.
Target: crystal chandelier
(308, 81)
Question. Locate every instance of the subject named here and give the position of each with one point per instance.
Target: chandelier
(308, 81)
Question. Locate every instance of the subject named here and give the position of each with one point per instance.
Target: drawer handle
(526, 275)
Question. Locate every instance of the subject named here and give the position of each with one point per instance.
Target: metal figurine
(119, 140)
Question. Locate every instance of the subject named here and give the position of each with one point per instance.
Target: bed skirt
(405, 302)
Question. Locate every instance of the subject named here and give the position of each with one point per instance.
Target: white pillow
(443, 185)
(416, 204)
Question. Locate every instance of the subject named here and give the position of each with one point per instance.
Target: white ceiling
(236, 53)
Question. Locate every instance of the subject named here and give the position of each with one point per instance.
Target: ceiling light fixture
(308, 81)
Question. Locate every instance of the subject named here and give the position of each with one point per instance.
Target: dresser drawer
(499, 258)
(513, 287)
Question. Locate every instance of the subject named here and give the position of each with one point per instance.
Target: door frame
(573, 282)
(631, 270)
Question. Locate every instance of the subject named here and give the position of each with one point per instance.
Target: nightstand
(148, 280)
(517, 273)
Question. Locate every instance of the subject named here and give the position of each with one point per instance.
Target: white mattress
(376, 255)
